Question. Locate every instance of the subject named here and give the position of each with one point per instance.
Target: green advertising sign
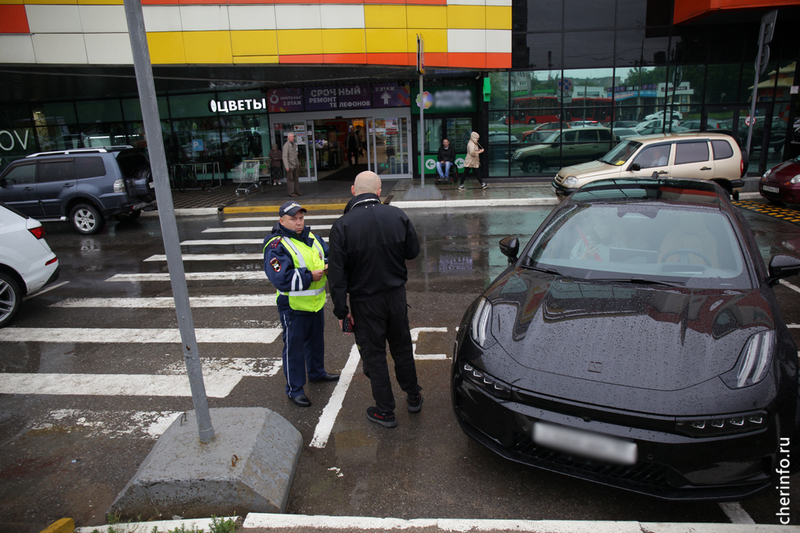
(439, 100)
(430, 163)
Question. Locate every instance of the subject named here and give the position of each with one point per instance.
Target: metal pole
(166, 214)
(755, 88)
(421, 133)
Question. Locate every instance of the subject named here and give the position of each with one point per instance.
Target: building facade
(235, 78)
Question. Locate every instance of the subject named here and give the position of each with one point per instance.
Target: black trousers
(381, 319)
(476, 171)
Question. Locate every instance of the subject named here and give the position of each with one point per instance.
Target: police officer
(296, 262)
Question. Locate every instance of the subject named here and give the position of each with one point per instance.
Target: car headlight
(723, 425)
(754, 361)
(795, 179)
(486, 381)
(571, 181)
(479, 329)
(767, 173)
(516, 154)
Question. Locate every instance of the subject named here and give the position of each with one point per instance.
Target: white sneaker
(485, 186)
(461, 188)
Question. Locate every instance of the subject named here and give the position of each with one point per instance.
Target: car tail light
(754, 361)
(119, 185)
(37, 232)
(53, 260)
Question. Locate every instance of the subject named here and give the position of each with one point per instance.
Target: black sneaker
(387, 420)
(414, 402)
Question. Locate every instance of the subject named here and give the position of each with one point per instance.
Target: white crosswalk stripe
(138, 335)
(239, 300)
(244, 275)
(262, 229)
(211, 257)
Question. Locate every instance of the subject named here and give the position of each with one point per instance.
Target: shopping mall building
(234, 78)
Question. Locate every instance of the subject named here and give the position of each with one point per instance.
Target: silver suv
(84, 186)
(710, 156)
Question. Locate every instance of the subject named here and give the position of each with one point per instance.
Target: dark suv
(84, 186)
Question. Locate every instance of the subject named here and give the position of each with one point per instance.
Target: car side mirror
(635, 167)
(509, 246)
(782, 266)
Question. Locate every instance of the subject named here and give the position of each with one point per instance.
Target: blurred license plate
(771, 189)
(583, 443)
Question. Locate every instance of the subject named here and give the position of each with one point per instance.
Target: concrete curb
(265, 522)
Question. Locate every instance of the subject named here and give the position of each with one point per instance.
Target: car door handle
(663, 172)
(66, 185)
(28, 189)
(706, 168)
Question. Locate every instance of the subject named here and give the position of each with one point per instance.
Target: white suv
(26, 262)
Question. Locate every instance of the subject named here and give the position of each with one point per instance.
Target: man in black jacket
(446, 157)
(369, 246)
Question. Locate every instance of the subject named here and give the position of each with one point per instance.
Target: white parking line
(325, 425)
(217, 385)
(114, 424)
(211, 257)
(795, 288)
(736, 513)
(213, 242)
(263, 229)
(239, 300)
(426, 356)
(131, 335)
(193, 276)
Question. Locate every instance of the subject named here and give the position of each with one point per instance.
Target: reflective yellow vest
(313, 258)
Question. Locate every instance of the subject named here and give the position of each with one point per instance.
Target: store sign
(347, 97)
(284, 100)
(355, 96)
(320, 98)
(232, 106)
(7, 139)
(447, 100)
(390, 95)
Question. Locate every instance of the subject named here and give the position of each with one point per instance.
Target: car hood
(655, 338)
(594, 169)
(783, 172)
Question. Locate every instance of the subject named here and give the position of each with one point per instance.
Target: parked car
(543, 131)
(781, 183)
(655, 124)
(84, 186)
(695, 124)
(674, 115)
(624, 133)
(710, 156)
(26, 262)
(624, 124)
(571, 146)
(635, 342)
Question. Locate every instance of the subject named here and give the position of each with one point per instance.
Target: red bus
(535, 110)
(591, 109)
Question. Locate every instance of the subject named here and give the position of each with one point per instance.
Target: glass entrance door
(391, 146)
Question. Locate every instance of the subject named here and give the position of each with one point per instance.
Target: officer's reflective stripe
(309, 292)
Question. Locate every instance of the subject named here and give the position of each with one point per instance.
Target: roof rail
(104, 149)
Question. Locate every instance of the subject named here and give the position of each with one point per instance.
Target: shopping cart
(247, 176)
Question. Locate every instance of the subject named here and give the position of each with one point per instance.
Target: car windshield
(642, 241)
(621, 152)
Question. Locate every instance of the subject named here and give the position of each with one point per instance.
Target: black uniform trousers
(378, 320)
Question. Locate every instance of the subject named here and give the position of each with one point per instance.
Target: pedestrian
(296, 261)
(290, 163)
(353, 145)
(276, 164)
(370, 244)
(446, 158)
(473, 162)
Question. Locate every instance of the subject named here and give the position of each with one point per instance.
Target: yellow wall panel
(384, 16)
(345, 41)
(166, 48)
(254, 43)
(387, 41)
(205, 47)
(53, 2)
(498, 17)
(11, 2)
(261, 60)
(435, 40)
(427, 16)
(466, 17)
(293, 42)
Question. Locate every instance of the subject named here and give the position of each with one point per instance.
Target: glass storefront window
(102, 134)
(722, 84)
(132, 109)
(500, 89)
(282, 130)
(391, 145)
(97, 111)
(191, 105)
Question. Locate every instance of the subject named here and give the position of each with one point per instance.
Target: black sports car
(635, 342)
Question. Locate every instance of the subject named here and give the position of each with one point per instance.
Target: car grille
(634, 477)
(559, 179)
